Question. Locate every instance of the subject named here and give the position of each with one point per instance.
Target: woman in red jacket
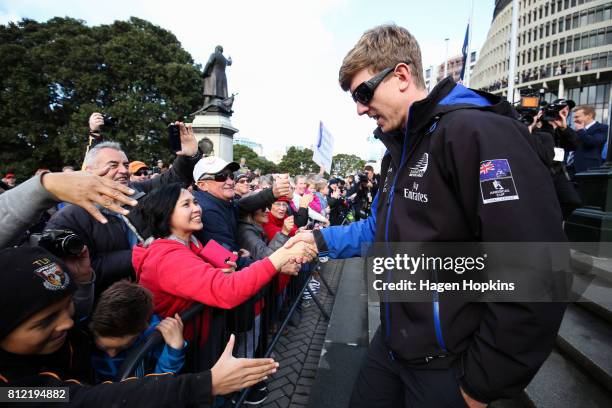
(279, 221)
(173, 268)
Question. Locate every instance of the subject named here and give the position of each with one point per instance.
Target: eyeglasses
(242, 181)
(220, 177)
(141, 173)
(365, 91)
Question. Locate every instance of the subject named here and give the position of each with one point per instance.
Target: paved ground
(299, 351)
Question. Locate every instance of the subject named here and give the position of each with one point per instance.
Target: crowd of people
(148, 247)
(95, 262)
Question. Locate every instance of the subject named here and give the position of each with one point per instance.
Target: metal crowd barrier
(274, 318)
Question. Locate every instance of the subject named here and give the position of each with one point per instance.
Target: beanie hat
(32, 279)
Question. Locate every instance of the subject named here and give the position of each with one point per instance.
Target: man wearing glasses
(215, 181)
(138, 171)
(458, 167)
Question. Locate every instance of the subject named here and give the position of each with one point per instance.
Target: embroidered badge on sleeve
(496, 181)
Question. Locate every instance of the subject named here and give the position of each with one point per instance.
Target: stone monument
(211, 123)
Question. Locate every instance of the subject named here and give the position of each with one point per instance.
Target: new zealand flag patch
(496, 181)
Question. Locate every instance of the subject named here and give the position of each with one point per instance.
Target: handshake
(298, 250)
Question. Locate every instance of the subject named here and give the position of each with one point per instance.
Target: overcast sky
(286, 54)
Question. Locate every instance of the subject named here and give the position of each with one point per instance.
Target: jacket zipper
(435, 301)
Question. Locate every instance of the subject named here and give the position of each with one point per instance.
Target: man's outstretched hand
(230, 374)
(305, 236)
(87, 189)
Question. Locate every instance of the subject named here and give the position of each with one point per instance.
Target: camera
(109, 122)
(551, 111)
(530, 104)
(60, 243)
(362, 177)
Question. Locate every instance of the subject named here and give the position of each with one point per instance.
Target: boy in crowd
(122, 321)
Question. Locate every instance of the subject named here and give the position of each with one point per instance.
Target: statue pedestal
(217, 127)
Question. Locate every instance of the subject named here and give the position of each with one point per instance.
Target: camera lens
(72, 245)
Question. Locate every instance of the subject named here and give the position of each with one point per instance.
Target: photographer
(111, 244)
(362, 197)
(554, 121)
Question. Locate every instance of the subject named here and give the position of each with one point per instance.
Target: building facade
(257, 147)
(564, 47)
(435, 74)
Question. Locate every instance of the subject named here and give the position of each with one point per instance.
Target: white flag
(324, 148)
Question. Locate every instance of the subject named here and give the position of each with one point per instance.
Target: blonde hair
(320, 185)
(383, 47)
(586, 110)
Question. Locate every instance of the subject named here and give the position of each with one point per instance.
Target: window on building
(573, 3)
(548, 50)
(529, 57)
(547, 29)
(601, 37)
(593, 39)
(606, 13)
(566, 4)
(541, 51)
(542, 30)
(552, 7)
(599, 14)
(562, 46)
(575, 20)
(540, 13)
(577, 45)
(535, 34)
(529, 36)
(568, 23)
(584, 17)
(584, 43)
(569, 45)
(591, 18)
(546, 10)
(609, 35)
(554, 48)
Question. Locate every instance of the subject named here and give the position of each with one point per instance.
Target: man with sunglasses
(138, 171)
(215, 180)
(458, 167)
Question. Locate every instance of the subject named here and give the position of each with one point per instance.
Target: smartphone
(174, 137)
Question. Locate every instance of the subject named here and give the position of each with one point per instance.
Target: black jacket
(430, 190)
(70, 367)
(220, 217)
(109, 247)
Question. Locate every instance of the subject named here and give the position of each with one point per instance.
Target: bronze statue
(215, 81)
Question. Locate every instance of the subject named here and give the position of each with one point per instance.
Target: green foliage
(53, 75)
(298, 161)
(253, 161)
(343, 164)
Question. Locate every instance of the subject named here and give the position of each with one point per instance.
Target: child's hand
(171, 329)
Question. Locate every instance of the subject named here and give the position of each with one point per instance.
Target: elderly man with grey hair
(110, 245)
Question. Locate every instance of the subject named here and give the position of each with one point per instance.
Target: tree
(53, 75)
(343, 164)
(298, 161)
(253, 161)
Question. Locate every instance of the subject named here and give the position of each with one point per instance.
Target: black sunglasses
(221, 176)
(141, 173)
(365, 91)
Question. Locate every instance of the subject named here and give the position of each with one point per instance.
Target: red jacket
(177, 276)
(273, 226)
